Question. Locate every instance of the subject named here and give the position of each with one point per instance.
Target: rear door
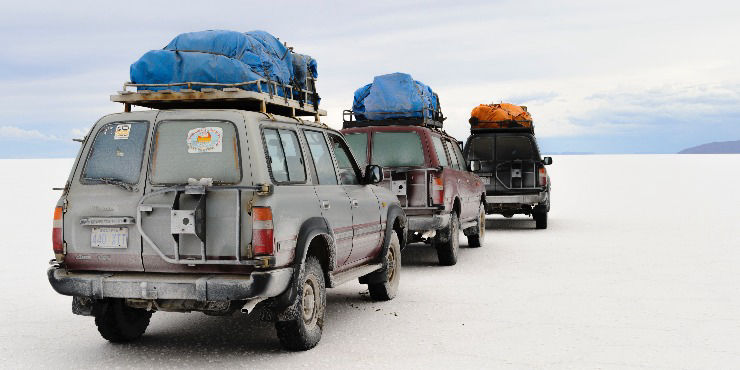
(469, 185)
(107, 185)
(366, 235)
(516, 163)
(200, 146)
(333, 200)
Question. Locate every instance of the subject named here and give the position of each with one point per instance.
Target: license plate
(109, 237)
(486, 180)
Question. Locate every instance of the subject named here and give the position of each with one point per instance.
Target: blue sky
(619, 77)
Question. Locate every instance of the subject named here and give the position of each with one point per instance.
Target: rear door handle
(325, 204)
(355, 203)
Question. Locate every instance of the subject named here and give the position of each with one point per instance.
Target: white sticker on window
(122, 131)
(205, 140)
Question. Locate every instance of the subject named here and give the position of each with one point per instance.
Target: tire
(476, 240)
(119, 323)
(392, 262)
(540, 218)
(304, 332)
(448, 246)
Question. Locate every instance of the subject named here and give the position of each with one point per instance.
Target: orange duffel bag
(502, 115)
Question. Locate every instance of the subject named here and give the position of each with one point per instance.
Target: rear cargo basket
(269, 97)
(351, 121)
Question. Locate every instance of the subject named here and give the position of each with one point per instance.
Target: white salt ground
(639, 269)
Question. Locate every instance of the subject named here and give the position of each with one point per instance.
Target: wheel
(476, 240)
(448, 243)
(304, 332)
(540, 217)
(119, 323)
(387, 290)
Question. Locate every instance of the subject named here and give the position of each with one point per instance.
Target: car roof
(398, 128)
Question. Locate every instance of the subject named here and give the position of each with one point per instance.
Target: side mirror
(547, 161)
(474, 165)
(373, 174)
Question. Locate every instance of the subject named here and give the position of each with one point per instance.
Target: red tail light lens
(262, 231)
(543, 176)
(438, 190)
(57, 241)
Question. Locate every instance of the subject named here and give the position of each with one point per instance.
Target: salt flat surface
(640, 268)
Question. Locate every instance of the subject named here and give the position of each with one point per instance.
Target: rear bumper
(169, 286)
(530, 199)
(428, 222)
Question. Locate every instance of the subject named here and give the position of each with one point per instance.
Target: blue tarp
(219, 56)
(395, 95)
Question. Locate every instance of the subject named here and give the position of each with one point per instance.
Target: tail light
(57, 241)
(438, 190)
(262, 231)
(543, 177)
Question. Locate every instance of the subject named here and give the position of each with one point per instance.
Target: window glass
(285, 158)
(454, 163)
(347, 172)
(509, 148)
(276, 156)
(481, 148)
(440, 150)
(397, 149)
(321, 158)
(459, 155)
(195, 149)
(293, 156)
(116, 153)
(358, 143)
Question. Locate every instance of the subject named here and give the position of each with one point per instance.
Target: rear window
(195, 149)
(358, 144)
(481, 148)
(397, 149)
(116, 153)
(509, 148)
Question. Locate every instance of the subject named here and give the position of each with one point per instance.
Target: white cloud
(12, 132)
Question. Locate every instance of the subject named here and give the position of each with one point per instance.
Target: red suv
(425, 168)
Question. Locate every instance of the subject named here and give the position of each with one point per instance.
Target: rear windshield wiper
(112, 181)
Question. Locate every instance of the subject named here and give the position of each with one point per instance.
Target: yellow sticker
(122, 131)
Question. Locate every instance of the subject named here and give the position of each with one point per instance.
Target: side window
(321, 158)
(454, 163)
(460, 158)
(285, 158)
(347, 171)
(440, 150)
(358, 143)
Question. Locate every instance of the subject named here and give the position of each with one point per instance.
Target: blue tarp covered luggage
(219, 56)
(395, 95)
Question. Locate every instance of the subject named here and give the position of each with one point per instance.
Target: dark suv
(515, 177)
(425, 168)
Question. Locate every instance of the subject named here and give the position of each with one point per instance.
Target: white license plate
(486, 180)
(109, 237)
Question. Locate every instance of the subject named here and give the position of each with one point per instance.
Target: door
(469, 189)
(459, 178)
(333, 200)
(192, 146)
(100, 229)
(366, 227)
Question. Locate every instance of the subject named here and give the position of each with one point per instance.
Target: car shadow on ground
(223, 339)
(510, 223)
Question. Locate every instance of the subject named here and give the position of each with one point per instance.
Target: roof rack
(351, 121)
(258, 95)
